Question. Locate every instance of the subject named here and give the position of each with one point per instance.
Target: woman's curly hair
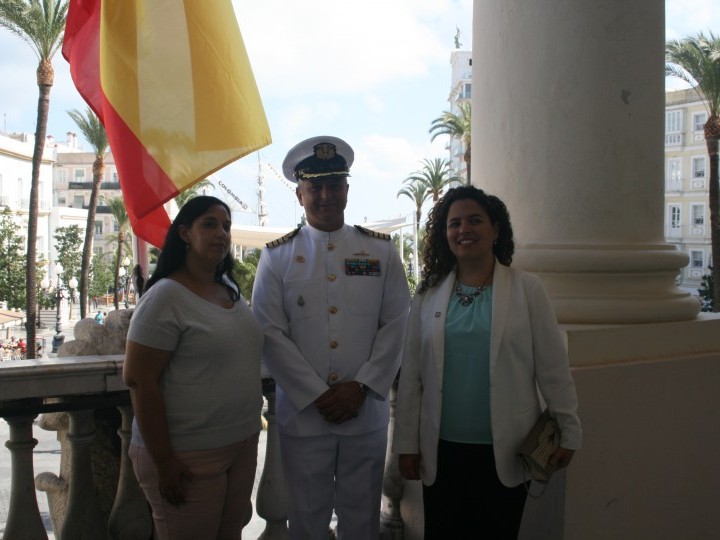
(438, 260)
(174, 249)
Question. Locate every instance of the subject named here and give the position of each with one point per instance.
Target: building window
(698, 121)
(673, 127)
(698, 214)
(673, 121)
(674, 217)
(79, 175)
(114, 177)
(673, 169)
(697, 259)
(98, 227)
(78, 201)
(698, 167)
(61, 201)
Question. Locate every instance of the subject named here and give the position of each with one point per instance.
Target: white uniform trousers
(334, 471)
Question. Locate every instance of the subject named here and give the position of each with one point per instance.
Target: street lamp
(125, 272)
(58, 338)
(45, 287)
(72, 284)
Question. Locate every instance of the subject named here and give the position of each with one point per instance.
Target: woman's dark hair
(174, 249)
(438, 260)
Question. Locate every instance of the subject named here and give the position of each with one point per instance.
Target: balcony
(80, 185)
(673, 185)
(673, 139)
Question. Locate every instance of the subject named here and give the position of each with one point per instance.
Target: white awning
(254, 236)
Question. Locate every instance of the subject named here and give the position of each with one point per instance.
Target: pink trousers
(217, 501)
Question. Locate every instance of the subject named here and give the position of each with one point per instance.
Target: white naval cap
(317, 158)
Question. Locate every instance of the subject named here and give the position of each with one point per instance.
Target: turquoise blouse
(465, 413)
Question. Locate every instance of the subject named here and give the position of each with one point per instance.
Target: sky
(374, 73)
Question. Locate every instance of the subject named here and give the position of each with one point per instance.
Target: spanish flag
(172, 84)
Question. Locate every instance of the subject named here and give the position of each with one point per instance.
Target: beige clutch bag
(539, 445)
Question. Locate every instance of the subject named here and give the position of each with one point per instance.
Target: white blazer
(527, 354)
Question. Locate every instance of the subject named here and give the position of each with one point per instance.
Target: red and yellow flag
(172, 84)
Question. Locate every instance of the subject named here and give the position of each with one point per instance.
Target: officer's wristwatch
(364, 388)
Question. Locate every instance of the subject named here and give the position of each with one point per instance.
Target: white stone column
(568, 112)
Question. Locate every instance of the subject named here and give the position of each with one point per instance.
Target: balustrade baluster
(83, 520)
(24, 521)
(271, 499)
(130, 518)
(391, 523)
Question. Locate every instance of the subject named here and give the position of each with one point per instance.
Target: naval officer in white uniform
(333, 301)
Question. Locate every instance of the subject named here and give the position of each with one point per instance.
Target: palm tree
(119, 212)
(696, 60)
(41, 25)
(184, 196)
(435, 175)
(417, 192)
(94, 132)
(458, 126)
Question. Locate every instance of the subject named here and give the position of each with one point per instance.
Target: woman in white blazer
(481, 341)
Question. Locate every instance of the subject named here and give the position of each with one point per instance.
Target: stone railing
(81, 395)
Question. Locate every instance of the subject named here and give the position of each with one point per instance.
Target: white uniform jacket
(527, 353)
(334, 308)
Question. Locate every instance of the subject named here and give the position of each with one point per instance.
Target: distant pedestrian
(99, 318)
(138, 280)
(95, 302)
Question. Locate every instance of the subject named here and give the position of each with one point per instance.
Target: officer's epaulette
(286, 238)
(374, 234)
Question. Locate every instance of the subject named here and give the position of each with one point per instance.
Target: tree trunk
(89, 235)
(121, 239)
(466, 159)
(714, 193)
(30, 269)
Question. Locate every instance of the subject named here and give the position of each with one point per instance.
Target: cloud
(688, 17)
(319, 48)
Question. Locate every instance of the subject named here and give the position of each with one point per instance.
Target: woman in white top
(481, 339)
(193, 367)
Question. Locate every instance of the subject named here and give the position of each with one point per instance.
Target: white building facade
(72, 185)
(16, 151)
(687, 214)
(460, 92)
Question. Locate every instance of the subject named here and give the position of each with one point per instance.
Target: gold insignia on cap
(300, 259)
(324, 151)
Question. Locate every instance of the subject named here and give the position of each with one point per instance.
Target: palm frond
(92, 129)
(696, 60)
